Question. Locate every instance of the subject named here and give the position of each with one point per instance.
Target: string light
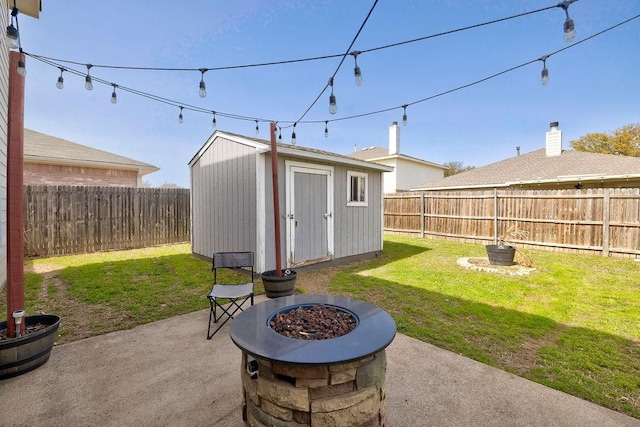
(203, 86)
(279, 134)
(13, 37)
(544, 74)
(356, 70)
(326, 128)
(180, 118)
(22, 68)
(88, 84)
(114, 96)
(239, 117)
(404, 115)
(213, 122)
(293, 134)
(257, 128)
(569, 27)
(333, 107)
(60, 82)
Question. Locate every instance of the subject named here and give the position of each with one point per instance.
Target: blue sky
(593, 87)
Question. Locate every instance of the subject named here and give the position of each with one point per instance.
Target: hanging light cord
(313, 58)
(250, 118)
(344, 55)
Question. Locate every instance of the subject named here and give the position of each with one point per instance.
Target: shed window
(356, 189)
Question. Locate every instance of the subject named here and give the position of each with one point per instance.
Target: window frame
(350, 176)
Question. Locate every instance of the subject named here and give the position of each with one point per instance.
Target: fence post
(605, 221)
(495, 216)
(422, 207)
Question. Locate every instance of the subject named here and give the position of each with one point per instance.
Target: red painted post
(15, 201)
(276, 199)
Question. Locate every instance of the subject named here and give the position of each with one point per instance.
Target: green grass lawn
(573, 324)
(110, 291)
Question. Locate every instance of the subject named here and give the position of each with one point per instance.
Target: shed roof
(378, 153)
(292, 150)
(43, 148)
(537, 167)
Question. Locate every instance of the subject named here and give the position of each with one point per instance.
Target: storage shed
(330, 205)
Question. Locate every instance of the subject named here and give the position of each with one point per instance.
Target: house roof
(373, 154)
(290, 149)
(42, 148)
(537, 167)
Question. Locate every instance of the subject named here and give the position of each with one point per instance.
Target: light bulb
(114, 97)
(180, 118)
(404, 115)
(12, 37)
(203, 89)
(88, 84)
(326, 132)
(293, 137)
(569, 30)
(358, 74)
(257, 128)
(60, 82)
(544, 76)
(22, 70)
(333, 107)
(213, 122)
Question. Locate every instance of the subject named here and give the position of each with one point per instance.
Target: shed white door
(310, 213)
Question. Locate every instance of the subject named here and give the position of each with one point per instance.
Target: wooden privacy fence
(66, 220)
(606, 220)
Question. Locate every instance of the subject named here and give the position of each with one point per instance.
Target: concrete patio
(168, 374)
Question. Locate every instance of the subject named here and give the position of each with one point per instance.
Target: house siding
(47, 174)
(4, 125)
(407, 174)
(223, 199)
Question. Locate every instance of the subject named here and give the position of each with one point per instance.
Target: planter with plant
(503, 253)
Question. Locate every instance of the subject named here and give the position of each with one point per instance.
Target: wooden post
(276, 199)
(15, 196)
(495, 216)
(606, 201)
(422, 213)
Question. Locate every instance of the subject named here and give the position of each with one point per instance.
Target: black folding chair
(234, 295)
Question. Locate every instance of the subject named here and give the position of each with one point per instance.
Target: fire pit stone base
(345, 394)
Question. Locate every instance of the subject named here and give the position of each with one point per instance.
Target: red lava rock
(316, 322)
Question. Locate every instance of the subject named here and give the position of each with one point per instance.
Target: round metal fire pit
(251, 332)
(334, 381)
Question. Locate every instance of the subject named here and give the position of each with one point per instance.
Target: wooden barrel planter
(276, 287)
(501, 254)
(31, 350)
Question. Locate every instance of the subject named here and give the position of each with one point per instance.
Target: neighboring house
(29, 8)
(549, 168)
(408, 172)
(53, 161)
(330, 205)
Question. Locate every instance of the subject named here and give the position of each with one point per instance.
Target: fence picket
(605, 221)
(63, 220)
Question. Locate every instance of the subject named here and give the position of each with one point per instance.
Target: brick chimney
(554, 141)
(394, 139)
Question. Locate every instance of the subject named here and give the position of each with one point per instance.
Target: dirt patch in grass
(78, 320)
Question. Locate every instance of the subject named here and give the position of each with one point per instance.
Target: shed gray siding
(357, 229)
(232, 201)
(223, 198)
